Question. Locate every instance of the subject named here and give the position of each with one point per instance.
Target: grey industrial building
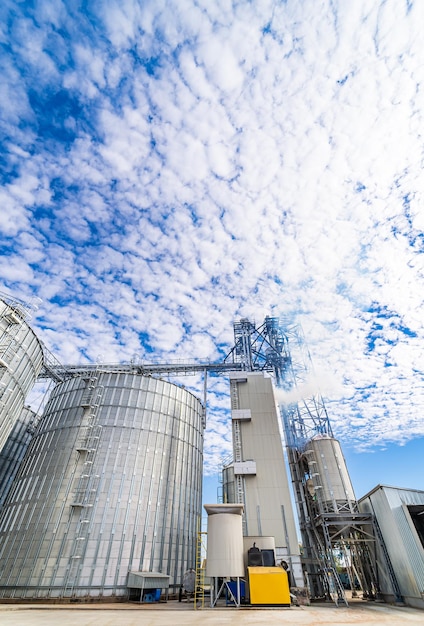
(399, 517)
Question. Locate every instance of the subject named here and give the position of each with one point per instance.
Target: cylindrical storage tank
(14, 449)
(111, 483)
(330, 477)
(225, 541)
(21, 360)
(229, 484)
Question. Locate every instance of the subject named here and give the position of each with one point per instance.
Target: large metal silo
(330, 481)
(21, 359)
(111, 483)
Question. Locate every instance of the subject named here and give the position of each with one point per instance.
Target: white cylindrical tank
(330, 478)
(111, 483)
(21, 360)
(225, 540)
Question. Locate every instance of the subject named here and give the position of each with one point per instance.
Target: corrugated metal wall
(406, 552)
(15, 448)
(330, 476)
(110, 483)
(21, 359)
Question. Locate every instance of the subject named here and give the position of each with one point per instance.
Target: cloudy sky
(169, 166)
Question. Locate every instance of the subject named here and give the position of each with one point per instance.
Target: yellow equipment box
(268, 585)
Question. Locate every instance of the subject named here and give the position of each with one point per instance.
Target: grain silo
(330, 481)
(21, 360)
(111, 484)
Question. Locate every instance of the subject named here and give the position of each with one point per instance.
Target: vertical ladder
(238, 458)
(237, 441)
(85, 493)
(238, 453)
(199, 585)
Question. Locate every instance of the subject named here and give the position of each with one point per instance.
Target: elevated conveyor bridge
(178, 368)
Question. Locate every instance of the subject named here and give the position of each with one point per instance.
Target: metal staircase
(199, 587)
(335, 587)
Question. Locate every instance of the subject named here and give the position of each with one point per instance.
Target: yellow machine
(268, 585)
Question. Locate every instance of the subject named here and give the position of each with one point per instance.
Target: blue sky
(168, 167)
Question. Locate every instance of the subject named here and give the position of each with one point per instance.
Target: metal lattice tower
(281, 350)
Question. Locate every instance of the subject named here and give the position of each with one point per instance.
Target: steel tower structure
(328, 512)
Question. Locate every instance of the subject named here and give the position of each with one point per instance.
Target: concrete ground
(173, 613)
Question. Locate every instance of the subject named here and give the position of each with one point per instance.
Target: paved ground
(172, 613)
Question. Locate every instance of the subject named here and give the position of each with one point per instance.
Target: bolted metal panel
(21, 359)
(330, 477)
(111, 483)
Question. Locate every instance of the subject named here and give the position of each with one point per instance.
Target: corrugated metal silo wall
(14, 449)
(330, 473)
(21, 359)
(141, 476)
(229, 493)
(389, 505)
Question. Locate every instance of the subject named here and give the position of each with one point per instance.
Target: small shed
(147, 586)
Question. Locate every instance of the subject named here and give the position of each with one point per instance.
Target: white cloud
(211, 161)
(221, 64)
